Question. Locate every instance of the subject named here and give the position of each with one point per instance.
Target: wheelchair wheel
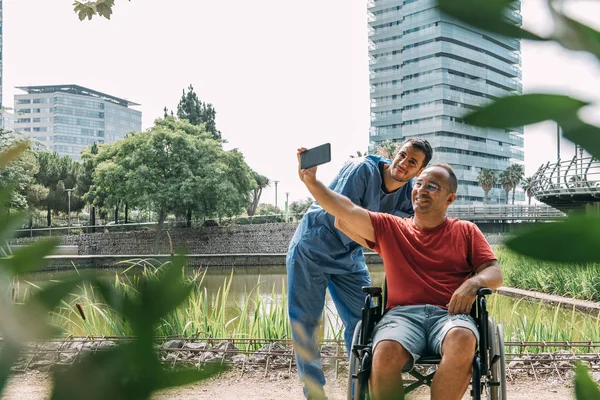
(502, 361)
(357, 390)
(354, 364)
(498, 369)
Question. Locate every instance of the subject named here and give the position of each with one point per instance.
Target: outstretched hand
(309, 175)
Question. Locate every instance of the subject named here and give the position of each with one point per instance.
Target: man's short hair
(452, 181)
(423, 145)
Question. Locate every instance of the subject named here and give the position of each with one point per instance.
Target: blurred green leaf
(574, 240)
(12, 153)
(30, 257)
(160, 298)
(114, 374)
(585, 135)
(488, 15)
(9, 224)
(50, 295)
(186, 377)
(513, 111)
(8, 357)
(121, 304)
(574, 35)
(585, 388)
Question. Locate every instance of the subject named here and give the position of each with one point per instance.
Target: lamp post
(69, 223)
(276, 183)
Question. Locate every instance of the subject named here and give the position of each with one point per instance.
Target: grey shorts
(420, 329)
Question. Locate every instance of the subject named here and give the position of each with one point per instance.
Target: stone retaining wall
(235, 239)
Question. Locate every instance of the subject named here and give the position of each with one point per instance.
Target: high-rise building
(426, 71)
(69, 118)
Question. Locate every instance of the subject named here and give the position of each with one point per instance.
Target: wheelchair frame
(488, 376)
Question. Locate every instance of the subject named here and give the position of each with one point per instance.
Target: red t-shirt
(426, 266)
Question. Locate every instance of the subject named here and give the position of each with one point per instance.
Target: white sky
(280, 74)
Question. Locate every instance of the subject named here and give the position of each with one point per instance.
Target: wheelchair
(489, 374)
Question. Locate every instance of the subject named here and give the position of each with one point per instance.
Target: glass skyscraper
(426, 71)
(69, 118)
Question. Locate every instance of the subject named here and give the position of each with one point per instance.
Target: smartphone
(315, 156)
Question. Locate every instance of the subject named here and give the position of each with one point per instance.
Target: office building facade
(70, 118)
(426, 71)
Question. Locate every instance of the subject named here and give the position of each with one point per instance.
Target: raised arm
(344, 227)
(336, 204)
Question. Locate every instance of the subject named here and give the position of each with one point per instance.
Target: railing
(470, 213)
(577, 176)
(506, 212)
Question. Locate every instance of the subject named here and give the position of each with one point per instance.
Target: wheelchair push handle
(372, 290)
(483, 291)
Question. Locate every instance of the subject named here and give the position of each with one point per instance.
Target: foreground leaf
(160, 298)
(583, 134)
(12, 153)
(9, 224)
(29, 258)
(513, 111)
(113, 374)
(8, 357)
(585, 388)
(574, 35)
(186, 377)
(487, 15)
(574, 240)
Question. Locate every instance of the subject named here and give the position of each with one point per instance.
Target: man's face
(407, 164)
(431, 191)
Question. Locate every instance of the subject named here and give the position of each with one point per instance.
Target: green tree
(388, 149)
(526, 184)
(486, 179)
(58, 173)
(268, 209)
(19, 174)
(517, 172)
(261, 183)
(197, 112)
(171, 168)
(300, 206)
(506, 180)
(85, 180)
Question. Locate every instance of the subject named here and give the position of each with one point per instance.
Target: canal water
(523, 320)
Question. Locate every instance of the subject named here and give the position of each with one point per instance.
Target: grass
(262, 314)
(581, 281)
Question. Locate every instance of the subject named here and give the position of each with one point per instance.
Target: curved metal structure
(568, 185)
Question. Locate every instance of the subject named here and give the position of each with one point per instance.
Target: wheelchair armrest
(484, 291)
(372, 290)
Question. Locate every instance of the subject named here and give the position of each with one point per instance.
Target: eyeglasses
(429, 186)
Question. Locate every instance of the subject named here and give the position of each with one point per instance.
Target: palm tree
(486, 179)
(358, 154)
(527, 185)
(388, 149)
(517, 172)
(506, 180)
(261, 183)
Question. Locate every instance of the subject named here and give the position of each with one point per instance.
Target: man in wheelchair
(434, 267)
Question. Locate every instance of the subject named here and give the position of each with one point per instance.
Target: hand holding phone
(315, 156)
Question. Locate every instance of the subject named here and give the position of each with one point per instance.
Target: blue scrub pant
(307, 284)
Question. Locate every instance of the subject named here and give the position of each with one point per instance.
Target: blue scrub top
(317, 242)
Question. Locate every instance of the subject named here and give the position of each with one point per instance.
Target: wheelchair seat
(488, 376)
